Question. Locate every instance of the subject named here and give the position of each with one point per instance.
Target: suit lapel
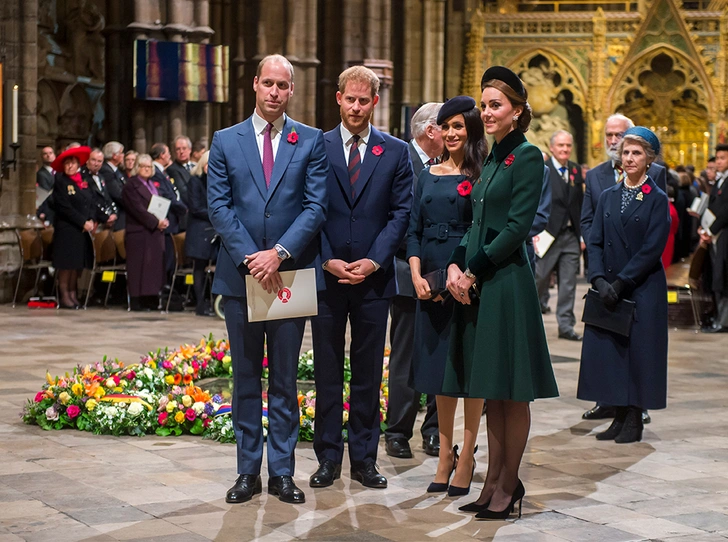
(249, 146)
(335, 152)
(370, 161)
(283, 157)
(558, 185)
(614, 208)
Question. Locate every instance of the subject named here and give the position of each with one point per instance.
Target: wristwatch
(281, 252)
(468, 273)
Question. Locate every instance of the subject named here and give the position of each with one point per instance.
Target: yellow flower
(77, 389)
(310, 412)
(99, 393)
(345, 416)
(300, 420)
(91, 404)
(169, 379)
(118, 389)
(187, 401)
(64, 397)
(171, 406)
(226, 359)
(190, 370)
(152, 364)
(179, 417)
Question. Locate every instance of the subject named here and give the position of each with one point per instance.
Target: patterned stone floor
(71, 486)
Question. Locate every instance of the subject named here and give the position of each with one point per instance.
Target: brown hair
(524, 119)
(360, 74)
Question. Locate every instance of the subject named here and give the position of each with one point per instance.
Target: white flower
(198, 407)
(110, 383)
(148, 372)
(112, 411)
(51, 413)
(135, 409)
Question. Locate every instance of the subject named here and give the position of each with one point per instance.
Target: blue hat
(455, 106)
(646, 134)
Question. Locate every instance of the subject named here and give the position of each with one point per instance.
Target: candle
(14, 139)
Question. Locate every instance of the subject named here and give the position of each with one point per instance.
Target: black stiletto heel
(517, 497)
(437, 487)
(456, 491)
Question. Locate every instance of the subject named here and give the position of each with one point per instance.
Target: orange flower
(187, 379)
(301, 397)
(177, 378)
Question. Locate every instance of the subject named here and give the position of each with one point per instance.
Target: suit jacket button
(353, 219)
(609, 243)
(626, 245)
(267, 215)
(606, 215)
(609, 269)
(348, 241)
(636, 219)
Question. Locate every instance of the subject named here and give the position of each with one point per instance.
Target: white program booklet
(158, 206)
(706, 221)
(297, 298)
(700, 204)
(542, 243)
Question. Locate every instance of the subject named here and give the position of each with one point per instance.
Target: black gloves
(607, 293)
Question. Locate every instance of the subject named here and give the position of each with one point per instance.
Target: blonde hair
(359, 74)
(199, 168)
(142, 158)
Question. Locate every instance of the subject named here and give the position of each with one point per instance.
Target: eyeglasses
(144, 167)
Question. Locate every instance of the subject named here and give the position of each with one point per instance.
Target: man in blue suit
(267, 200)
(598, 179)
(370, 196)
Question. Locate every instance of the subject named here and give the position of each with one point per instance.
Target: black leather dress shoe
(570, 335)
(285, 489)
(398, 447)
(545, 310)
(599, 412)
(245, 487)
(369, 476)
(431, 445)
(327, 472)
(646, 417)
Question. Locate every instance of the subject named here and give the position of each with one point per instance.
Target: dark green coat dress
(498, 346)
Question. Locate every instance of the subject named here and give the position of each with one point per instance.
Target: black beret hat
(501, 73)
(454, 106)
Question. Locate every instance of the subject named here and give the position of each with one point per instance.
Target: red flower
(464, 188)
(646, 188)
(39, 396)
(131, 375)
(293, 137)
(177, 379)
(187, 379)
(573, 170)
(84, 184)
(73, 411)
(116, 379)
(156, 184)
(190, 415)
(509, 159)
(162, 419)
(206, 422)
(572, 178)
(377, 150)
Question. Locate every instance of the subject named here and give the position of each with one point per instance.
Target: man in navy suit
(598, 179)
(370, 196)
(266, 192)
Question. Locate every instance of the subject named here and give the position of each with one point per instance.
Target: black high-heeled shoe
(474, 507)
(437, 487)
(517, 497)
(456, 491)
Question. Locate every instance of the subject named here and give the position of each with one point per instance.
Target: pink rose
(117, 380)
(346, 406)
(39, 396)
(73, 411)
(162, 418)
(167, 364)
(131, 375)
(195, 365)
(190, 415)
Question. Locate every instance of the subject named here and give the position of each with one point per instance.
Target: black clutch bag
(437, 280)
(617, 319)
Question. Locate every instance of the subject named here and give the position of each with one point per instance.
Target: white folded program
(542, 243)
(297, 298)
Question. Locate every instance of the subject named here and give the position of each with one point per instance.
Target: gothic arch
(48, 113)
(76, 114)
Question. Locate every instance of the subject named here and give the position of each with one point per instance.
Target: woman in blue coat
(629, 232)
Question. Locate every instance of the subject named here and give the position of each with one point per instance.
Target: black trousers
(404, 402)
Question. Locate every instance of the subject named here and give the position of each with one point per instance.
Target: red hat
(82, 153)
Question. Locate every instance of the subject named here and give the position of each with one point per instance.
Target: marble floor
(72, 486)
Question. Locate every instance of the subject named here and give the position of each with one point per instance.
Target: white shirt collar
(422, 154)
(557, 165)
(113, 167)
(259, 124)
(346, 135)
(159, 166)
(49, 168)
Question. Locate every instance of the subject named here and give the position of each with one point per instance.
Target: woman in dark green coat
(498, 345)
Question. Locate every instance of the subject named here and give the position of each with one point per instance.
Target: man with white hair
(179, 170)
(114, 178)
(425, 148)
(598, 179)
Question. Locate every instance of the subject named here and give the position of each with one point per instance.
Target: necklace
(629, 187)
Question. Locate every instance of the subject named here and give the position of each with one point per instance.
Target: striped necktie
(620, 174)
(354, 164)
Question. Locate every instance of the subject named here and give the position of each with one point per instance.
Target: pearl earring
(515, 118)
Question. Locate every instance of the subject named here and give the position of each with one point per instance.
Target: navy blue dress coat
(618, 370)
(200, 232)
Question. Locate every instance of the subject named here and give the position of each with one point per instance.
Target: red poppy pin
(509, 160)
(84, 184)
(465, 188)
(293, 136)
(646, 188)
(156, 184)
(572, 178)
(377, 150)
(573, 170)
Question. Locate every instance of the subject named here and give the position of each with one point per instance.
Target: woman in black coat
(144, 237)
(76, 216)
(629, 232)
(198, 240)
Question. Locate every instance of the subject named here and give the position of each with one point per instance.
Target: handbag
(437, 281)
(617, 319)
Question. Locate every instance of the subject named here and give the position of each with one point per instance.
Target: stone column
(300, 49)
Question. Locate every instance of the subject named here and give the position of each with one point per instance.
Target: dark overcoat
(144, 241)
(73, 205)
(199, 228)
(618, 370)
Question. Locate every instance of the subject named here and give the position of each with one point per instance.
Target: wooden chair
(105, 259)
(30, 245)
(179, 264)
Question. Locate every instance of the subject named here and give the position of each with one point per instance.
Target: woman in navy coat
(629, 232)
(198, 239)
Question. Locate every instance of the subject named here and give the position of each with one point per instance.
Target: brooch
(377, 150)
(292, 136)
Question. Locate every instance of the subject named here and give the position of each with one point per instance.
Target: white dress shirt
(348, 138)
(558, 167)
(422, 154)
(259, 126)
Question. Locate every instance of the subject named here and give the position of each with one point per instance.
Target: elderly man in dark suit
(563, 255)
(267, 198)
(180, 168)
(404, 402)
(90, 173)
(114, 178)
(370, 197)
(598, 179)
